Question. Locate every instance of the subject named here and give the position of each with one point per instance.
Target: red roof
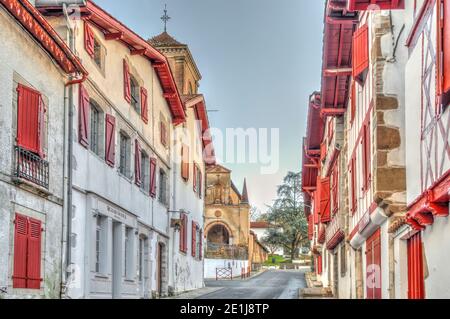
(116, 30)
(260, 225)
(32, 20)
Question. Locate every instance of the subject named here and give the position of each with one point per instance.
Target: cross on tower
(165, 18)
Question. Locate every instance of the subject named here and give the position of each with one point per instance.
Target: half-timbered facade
(390, 101)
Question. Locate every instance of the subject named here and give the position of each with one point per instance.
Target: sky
(260, 60)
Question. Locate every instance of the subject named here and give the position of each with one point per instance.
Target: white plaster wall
(436, 239)
(212, 264)
(401, 265)
(21, 56)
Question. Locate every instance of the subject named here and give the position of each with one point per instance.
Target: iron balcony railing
(220, 251)
(31, 167)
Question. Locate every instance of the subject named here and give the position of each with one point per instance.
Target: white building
(35, 72)
(122, 151)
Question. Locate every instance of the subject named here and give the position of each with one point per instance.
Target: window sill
(128, 179)
(101, 276)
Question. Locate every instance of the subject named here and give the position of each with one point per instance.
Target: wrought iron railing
(220, 251)
(31, 167)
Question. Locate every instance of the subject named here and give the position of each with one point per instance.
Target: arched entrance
(218, 235)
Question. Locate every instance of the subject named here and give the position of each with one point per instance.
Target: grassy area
(276, 260)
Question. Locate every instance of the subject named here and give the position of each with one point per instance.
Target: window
(141, 258)
(353, 185)
(110, 140)
(183, 233)
(96, 129)
(153, 177)
(135, 92)
(129, 272)
(366, 153)
(360, 52)
(163, 133)
(31, 120)
(27, 253)
(99, 55)
(98, 243)
(125, 155)
(197, 180)
(343, 260)
(185, 162)
(163, 198)
(145, 172)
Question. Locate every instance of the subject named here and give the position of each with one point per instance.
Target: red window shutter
(137, 163)
(34, 254)
(319, 265)
(20, 252)
(83, 117)
(200, 245)
(446, 46)
(185, 162)
(353, 103)
(353, 184)
(126, 81)
(416, 284)
(29, 105)
(144, 105)
(110, 149)
(194, 179)
(194, 238)
(153, 177)
(89, 39)
(366, 156)
(360, 51)
(317, 204)
(325, 208)
(362, 5)
(310, 227)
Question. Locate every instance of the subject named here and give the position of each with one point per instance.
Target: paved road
(273, 284)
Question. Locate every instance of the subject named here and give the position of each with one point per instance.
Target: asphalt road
(273, 284)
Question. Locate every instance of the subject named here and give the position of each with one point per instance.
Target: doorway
(116, 262)
(159, 269)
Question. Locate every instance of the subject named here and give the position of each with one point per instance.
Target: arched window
(218, 235)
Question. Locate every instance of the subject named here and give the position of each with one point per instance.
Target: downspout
(174, 208)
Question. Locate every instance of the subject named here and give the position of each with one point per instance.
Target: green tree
(287, 213)
(273, 240)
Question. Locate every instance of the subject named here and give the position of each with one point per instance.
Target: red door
(416, 284)
(373, 266)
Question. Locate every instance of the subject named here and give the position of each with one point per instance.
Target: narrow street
(273, 284)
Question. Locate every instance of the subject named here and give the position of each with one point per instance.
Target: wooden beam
(139, 52)
(332, 112)
(114, 36)
(169, 95)
(337, 72)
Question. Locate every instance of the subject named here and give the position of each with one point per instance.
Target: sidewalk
(315, 289)
(195, 293)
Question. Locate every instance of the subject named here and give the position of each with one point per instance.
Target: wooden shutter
(353, 103)
(153, 177)
(126, 81)
(194, 238)
(89, 43)
(110, 149)
(373, 266)
(360, 51)
(20, 252)
(446, 46)
(317, 203)
(319, 265)
(353, 190)
(200, 249)
(194, 179)
(325, 208)
(310, 227)
(29, 105)
(185, 162)
(83, 117)
(34, 254)
(416, 284)
(144, 105)
(137, 163)
(366, 156)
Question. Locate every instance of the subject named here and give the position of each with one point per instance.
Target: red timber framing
(373, 266)
(416, 282)
(362, 5)
(115, 30)
(435, 125)
(30, 18)
(337, 58)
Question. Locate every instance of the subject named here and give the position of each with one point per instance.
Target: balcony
(221, 251)
(335, 233)
(31, 167)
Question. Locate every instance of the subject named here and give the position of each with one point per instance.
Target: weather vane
(165, 18)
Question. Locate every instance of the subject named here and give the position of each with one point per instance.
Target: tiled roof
(259, 225)
(164, 40)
